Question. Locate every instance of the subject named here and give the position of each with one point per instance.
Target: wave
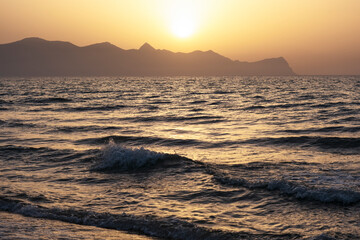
(32, 197)
(20, 149)
(176, 119)
(48, 100)
(115, 157)
(325, 195)
(209, 121)
(222, 92)
(306, 97)
(333, 236)
(70, 129)
(304, 104)
(5, 102)
(288, 105)
(334, 144)
(310, 141)
(139, 140)
(161, 227)
(333, 104)
(325, 129)
(160, 102)
(347, 119)
(152, 96)
(198, 102)
(92, 108)
(149, 107)
(17, 123)
(43, 154)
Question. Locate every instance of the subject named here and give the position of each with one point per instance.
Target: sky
(314, 36)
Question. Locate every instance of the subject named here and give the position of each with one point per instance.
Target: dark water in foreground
(180, 158)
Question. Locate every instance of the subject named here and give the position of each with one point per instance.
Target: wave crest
(325, 195)
(158, 227)
(118, 157)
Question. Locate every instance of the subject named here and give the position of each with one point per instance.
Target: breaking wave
(116, 157)
(324, 195)
(339, 145)
(167, 228)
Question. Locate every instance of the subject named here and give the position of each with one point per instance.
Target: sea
(180, 157)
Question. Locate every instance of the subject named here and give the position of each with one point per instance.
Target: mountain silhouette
(39, 57)
(146, 48)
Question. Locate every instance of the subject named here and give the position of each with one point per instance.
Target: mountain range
(39, 57)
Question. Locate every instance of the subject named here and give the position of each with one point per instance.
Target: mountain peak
(33, 40)
(36, 42)
(103, 45)
(146, 47)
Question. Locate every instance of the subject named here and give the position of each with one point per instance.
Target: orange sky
(315, 36)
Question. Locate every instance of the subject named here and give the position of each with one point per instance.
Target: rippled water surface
(181, 158)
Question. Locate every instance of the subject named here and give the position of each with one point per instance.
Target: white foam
(117, 157)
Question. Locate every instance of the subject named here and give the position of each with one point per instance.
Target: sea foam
(121, 158)
(325, 195)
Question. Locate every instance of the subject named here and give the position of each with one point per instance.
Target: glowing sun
(183, 27)
(183, 19)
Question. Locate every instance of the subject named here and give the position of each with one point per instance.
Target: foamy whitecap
(325, 195)
(117, 157)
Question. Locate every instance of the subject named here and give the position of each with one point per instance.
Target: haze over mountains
(39, 57)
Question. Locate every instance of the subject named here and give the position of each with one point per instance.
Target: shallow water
(184, 158)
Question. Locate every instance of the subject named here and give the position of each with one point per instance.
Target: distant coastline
(39, 57)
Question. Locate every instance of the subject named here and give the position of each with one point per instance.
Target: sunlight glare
(183, 27)
(184, 18)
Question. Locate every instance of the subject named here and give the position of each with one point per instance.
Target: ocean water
(180, 158)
